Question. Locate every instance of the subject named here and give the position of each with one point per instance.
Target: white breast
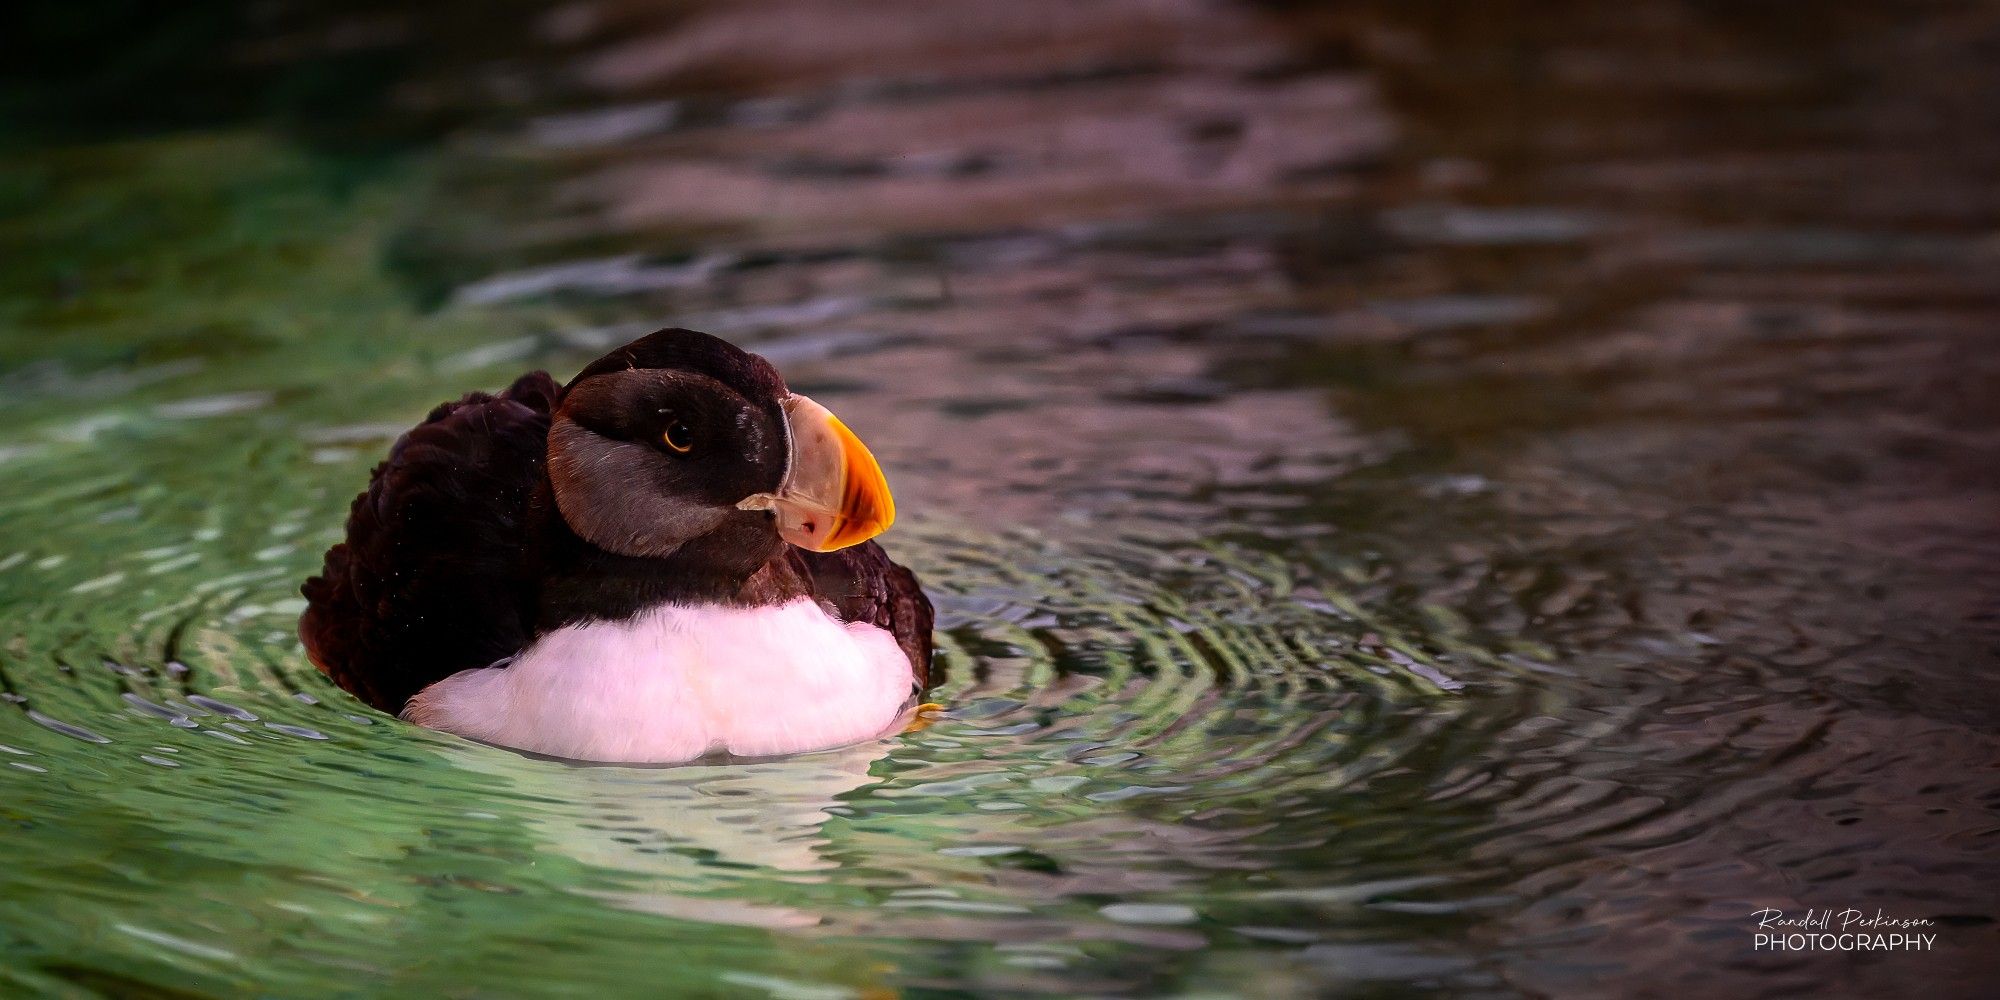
(677, 682)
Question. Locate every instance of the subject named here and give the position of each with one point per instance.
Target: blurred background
(1422, 497)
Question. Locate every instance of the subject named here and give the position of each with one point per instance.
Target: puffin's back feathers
(435, 576)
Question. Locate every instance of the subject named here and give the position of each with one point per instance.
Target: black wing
(863, 585)
(435, 576)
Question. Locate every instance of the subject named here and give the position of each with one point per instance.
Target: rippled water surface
(1466, 502)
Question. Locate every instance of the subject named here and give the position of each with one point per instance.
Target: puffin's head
(679, 436)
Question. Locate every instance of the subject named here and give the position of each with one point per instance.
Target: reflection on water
(1468, 503)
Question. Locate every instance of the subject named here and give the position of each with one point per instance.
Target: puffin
(669, 558)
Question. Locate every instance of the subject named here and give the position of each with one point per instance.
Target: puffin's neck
(741, 564)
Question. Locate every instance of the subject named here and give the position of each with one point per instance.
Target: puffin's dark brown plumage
(457, 557)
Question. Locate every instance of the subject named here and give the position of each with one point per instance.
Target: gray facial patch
(607, 492)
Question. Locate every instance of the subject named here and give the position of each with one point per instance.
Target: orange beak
(833, 494)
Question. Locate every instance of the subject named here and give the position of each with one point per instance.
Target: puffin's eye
(679, 437)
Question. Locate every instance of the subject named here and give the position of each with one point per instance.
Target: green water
(1401, 522)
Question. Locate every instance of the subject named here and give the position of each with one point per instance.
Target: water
(1468, 503)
